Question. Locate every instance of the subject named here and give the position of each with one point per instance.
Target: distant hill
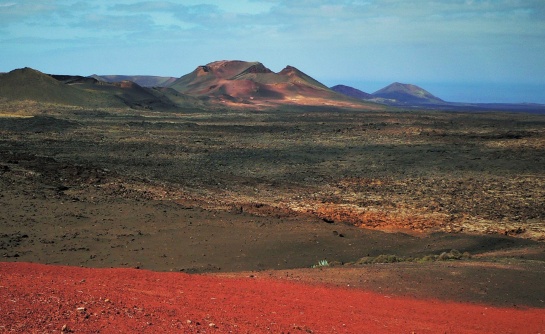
(131, 94)
(352, 92)
(217, 84)
(245, 80)
(73, 79)
(251, 82)
(224, 79)
(414, 97)
(142, 80)
(224, 83)
(400, 93)
(29, 84)
(183, 101)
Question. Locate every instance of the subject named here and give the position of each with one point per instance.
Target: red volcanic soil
(42, 298)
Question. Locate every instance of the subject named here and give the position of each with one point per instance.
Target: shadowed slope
(351, 91)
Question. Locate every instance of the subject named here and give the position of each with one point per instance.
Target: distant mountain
(132, 95)
(252, 82)
(73, 79)
(352, 92)
(398, 93)
(225, 79)
(414, 97)
(142, 80)
(224, 83)
(29, 84)
(217, 84)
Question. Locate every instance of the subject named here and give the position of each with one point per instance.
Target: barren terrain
(81, 300)
(272, 193)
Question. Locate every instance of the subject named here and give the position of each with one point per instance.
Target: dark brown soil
(504, 283)
(106, 224)
(244, 192)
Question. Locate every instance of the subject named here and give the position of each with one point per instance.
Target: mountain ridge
(351, 91)
(242, 83)
(32, 85)
(237, 84)
(148, 81)
(414, 97)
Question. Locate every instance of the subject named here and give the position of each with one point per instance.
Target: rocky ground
(54, 299)
(384, 198)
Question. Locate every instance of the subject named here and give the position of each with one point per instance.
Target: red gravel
(42, 298)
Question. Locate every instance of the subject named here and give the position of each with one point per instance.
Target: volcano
(27, 84)
(253, 82)
(32, 85)
(352, 92)
(400, 93)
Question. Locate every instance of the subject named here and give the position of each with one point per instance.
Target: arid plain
(302, 186)
(417, 203)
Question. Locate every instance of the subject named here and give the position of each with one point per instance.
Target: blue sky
(459, 50)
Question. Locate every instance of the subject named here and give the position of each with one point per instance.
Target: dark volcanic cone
(407, 93)
(352, 92)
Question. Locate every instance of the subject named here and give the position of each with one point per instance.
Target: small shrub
(452, 255)
(387, 259)
(455, 254)
(322, 263)
(445, 256)
(428, 258)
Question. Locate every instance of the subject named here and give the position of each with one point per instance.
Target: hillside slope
(142, 80)
(27, 84)
(406, 93)
(352, 92)
(252, 82)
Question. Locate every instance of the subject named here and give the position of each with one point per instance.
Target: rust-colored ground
(41, 298)
(270, 195)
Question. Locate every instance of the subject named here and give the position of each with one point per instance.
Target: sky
(459, 50)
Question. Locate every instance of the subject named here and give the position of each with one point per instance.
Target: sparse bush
(322, 263)
(387, 259)
(365, 260)
(444, 256)
(335, 263)
(452, 255)
(383, 258)
(456, 254)
(428, 258)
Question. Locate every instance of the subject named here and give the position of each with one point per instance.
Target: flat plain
(274, 192)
